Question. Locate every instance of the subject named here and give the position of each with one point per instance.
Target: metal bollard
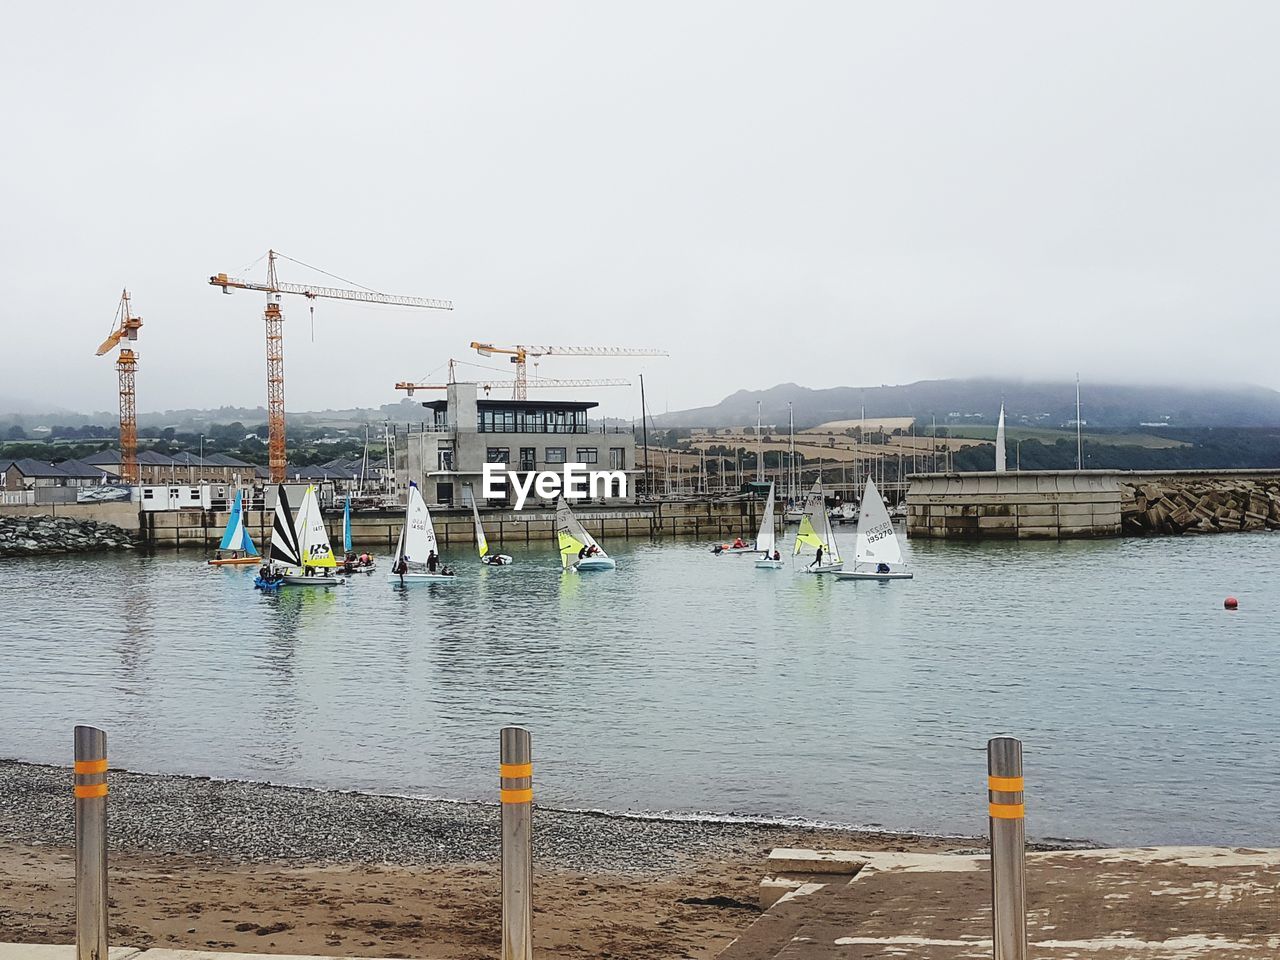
(91, 843)
(1008, 849)
(517, 843)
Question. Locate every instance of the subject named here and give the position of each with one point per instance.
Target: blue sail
(236, 536)
(346, 526)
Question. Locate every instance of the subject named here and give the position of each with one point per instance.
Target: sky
(825, 193)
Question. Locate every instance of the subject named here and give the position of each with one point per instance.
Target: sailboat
(318, 564)
(578, 549)
(417, 542)
(766, 540)
(482, 543)
(236, 539)
(877, 555)
(815, 532)
(350, 562)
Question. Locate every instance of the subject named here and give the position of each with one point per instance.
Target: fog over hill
(1039, 402)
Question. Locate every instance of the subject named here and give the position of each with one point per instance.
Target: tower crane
(274, 317)
(520, 354)
(126, 328)
(536, 383)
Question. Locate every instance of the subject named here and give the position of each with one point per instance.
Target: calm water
(691, 683)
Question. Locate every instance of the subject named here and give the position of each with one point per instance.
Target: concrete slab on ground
(58, 951)
(1157, 903)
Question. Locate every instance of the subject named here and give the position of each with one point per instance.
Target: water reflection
(648, 685)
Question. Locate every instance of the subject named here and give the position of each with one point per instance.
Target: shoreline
(198, 863)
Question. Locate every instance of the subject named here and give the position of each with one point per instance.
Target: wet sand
(257, 868)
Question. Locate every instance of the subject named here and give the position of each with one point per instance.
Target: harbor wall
(122, 514)
(1073, 504)
(378, 530)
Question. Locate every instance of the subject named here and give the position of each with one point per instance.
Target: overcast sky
(823, 193)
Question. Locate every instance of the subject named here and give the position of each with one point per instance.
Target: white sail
(765, 539)
(418, 535)
(313, 538)
(1000, 451)
(876, 542)
(815, 527)
(284, 534)
(572, 535)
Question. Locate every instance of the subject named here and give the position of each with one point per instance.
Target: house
(82, 474)
(27, 474)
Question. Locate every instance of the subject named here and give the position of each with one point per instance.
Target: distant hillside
(978, 401)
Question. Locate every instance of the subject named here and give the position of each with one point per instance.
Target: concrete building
(449, 450)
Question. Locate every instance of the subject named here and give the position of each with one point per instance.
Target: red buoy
(1231, 603)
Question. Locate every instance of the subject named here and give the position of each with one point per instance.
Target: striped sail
(572, 535)
(284, 534)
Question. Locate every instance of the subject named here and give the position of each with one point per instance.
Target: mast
(1079, 444)
(644, 428)
(791, 454)
(759, 447)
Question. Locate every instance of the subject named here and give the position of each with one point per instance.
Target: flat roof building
(464, 433)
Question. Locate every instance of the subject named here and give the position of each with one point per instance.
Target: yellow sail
(316, 551)
(569, 548)
(807, 535)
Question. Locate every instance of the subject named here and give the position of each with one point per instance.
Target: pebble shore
(257, 822)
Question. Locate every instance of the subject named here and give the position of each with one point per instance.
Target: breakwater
(36, 535)
(728, 517)
(1084, 504)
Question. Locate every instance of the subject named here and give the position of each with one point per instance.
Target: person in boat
(882, 568)
(718, 549)
(737, 543)
(217, 554)
(433, 562)
(776, 555)
(817, 557)
(400, 567)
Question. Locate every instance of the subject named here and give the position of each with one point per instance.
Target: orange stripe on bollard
(91, 766)
(516, 796)
(516, 769)
(90, 791)
(1008, 811)
(1005, 784)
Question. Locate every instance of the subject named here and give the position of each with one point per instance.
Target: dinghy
(482, 543)
(417, 542)
(578, 549)
(877, 555)
(815, 533)
(236, 539)
(350, 562)
(766, 540)
(317, 566)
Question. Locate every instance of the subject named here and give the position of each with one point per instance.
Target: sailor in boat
(737, 543)
(432, 562)
(776, 554)
(718, 549)
(882, 568)
(217, 554)
(400, 568)
(817, 557)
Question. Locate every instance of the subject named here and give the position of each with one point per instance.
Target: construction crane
(126, 327)
(275, 338)
(520, 354)
(488, 385)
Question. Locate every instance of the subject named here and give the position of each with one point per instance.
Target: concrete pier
(1046, 505)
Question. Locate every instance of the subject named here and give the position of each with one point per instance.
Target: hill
(1027, 403)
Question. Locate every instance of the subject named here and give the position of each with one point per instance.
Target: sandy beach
(253, 867)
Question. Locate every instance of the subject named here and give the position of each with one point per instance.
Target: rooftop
(440, 406)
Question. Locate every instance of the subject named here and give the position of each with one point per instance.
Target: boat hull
(826, 568)
(492, 560)
(587, 564)
(770, 564)
(422, 578)
(235, 562)
(268, 586)
(295, 580)
(872, 575)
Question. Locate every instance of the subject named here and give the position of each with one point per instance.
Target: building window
(588, 455)
(555, 455)
(617, 458)
(444, 493)
(498, 454)
(446, 460)
(528, 458)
